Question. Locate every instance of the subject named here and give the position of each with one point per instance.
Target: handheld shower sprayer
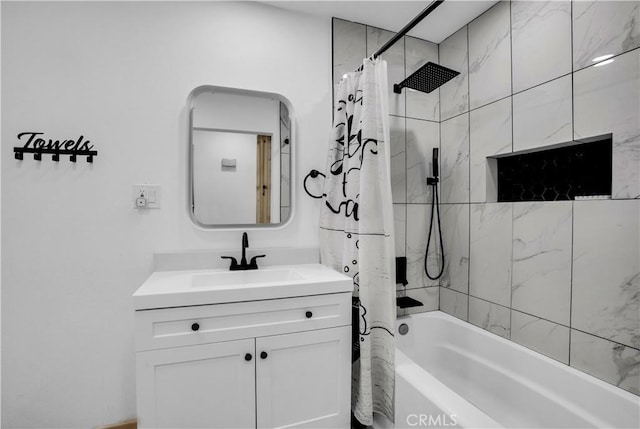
(435, 162)
(435, 209)
(434, 168)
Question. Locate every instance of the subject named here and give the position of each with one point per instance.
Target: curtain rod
(432, 6)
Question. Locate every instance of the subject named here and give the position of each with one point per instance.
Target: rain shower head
(427, 78)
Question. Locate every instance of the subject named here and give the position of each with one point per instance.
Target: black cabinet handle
(248, 357)
(263, 355)
(195, 326)
(308, 314)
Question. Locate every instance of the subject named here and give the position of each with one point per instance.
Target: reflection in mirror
(240, 159)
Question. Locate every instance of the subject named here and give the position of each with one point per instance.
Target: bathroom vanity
(265, 348)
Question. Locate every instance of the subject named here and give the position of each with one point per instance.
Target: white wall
(73, 248)
(222, 195)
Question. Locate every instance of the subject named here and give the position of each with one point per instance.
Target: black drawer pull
(195, 326)
(308, 314)
(263, 355)
(248, 357)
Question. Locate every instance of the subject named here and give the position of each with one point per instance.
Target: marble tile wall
(491, 233)
(603, 28)
(454, 303)
(540, 335)
(492, 317)
(490, 56)
(492, 131)
(349, 47)
(561, 278)
(606, 360)
(606, 101)
(568, 275)
(605, 270)
(541, 259)
(455, 237)
(394, 57)
(420, 105)
(542, 115)
(454, 96)
(454, 160)
(418, 216)
(398, 132)
(421, 138)
(540, 55)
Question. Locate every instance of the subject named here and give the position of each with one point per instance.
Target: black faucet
(253, 265)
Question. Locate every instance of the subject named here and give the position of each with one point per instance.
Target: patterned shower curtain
(356, 231)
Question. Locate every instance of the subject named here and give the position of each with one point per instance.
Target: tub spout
(407, 302)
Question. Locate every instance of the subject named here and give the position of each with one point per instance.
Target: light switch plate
(150, 193)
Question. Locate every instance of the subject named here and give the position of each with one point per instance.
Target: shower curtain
(356, 232)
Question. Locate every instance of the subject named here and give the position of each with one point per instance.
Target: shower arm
(428, 77)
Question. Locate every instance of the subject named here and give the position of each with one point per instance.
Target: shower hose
(435, 209)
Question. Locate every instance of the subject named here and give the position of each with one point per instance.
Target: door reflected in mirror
(240, 157)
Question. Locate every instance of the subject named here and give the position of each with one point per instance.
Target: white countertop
(200, 287)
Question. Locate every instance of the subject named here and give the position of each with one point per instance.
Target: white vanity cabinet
(206, 386)
(270, 363)
(303, 379)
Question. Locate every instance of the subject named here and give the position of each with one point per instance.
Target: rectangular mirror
(240, 157)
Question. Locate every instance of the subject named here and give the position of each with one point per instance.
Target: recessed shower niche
(564, 172)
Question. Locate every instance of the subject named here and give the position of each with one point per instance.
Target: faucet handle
(254, 263)
(234, 262)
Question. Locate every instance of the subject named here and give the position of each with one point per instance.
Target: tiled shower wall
(559, 277)
(562, 278)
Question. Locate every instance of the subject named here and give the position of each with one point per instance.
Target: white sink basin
(197, 287)
(224, 278)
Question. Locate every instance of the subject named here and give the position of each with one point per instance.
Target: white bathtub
(452, 374)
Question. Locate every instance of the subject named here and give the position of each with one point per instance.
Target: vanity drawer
(184, 326)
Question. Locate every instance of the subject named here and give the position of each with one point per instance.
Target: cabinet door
(206, 386)
(303, 380)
